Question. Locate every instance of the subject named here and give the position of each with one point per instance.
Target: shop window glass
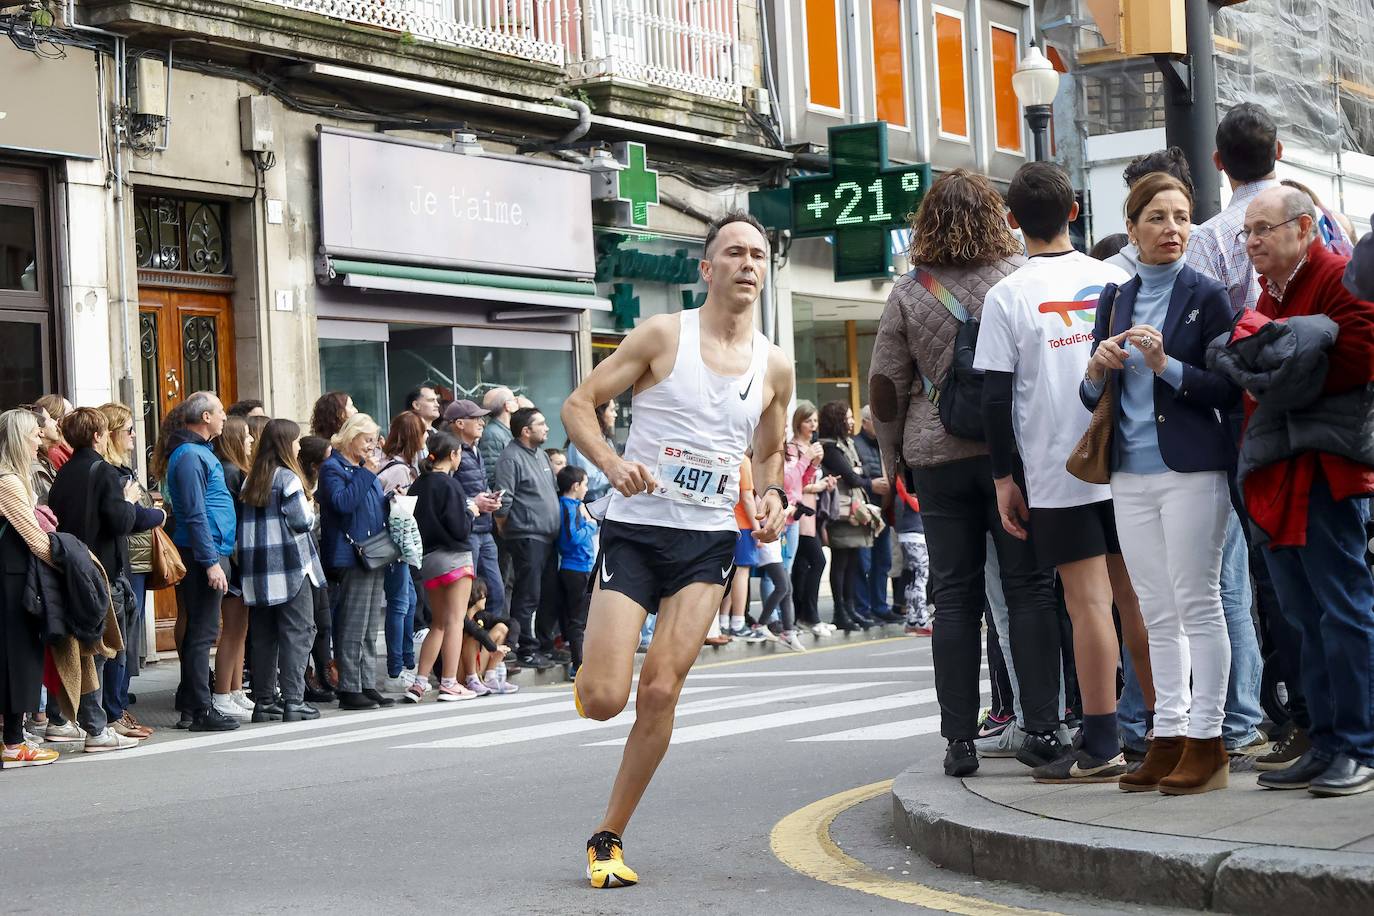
(1007, 110)
(889, 67)
(951, 73)
(823, 54)
(408, 366)
(358, 367)
(21, 362)
(18, 248)
(543, 376)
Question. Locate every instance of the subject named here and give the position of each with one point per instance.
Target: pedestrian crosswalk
(818, 706)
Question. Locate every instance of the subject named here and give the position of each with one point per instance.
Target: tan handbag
(1091, 459)
(166, 567)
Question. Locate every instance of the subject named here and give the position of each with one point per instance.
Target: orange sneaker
(26, 755)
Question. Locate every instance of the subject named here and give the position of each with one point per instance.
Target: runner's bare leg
(684, 619)
(608, 654)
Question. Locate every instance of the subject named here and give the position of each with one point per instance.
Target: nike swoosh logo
(606, 577)
(725, 572)
(745, 393)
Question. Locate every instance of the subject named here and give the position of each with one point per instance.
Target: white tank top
(710, 416)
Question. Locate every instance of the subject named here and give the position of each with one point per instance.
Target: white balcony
(684, 45)
(529, 29)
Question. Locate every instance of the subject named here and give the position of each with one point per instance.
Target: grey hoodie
(530, 501)
(1128, 259)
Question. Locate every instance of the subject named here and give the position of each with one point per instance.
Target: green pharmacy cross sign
(636, 184)
(860, 202)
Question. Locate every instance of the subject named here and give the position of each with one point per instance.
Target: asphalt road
(486, 805)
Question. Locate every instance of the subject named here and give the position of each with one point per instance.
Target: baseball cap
(463, 410)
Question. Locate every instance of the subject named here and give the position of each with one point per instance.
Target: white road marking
(250, 732)
(817, 672)
(553, 729)
(727, 727)
(429, 725)
(921, 648)
(887, 731)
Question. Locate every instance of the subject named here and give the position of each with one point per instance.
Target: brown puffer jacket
(915, 338)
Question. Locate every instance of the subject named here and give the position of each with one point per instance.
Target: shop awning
(534, 293)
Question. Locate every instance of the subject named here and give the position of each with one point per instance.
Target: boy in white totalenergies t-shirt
(1034, 344)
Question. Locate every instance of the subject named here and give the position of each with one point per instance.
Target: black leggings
(844, 571)
(319, 653)
(807, 570)
(780, 596)
(14, 728)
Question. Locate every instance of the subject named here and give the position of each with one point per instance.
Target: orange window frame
(889, 61)
(1005, 43)
(823, 89)
(951, 69)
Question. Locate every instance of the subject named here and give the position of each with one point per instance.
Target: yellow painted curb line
(802, 842)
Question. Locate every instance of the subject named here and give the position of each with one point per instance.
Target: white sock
(737, 623)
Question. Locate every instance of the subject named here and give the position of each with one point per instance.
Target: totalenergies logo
(1083, 306)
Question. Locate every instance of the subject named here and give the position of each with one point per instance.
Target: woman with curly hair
(960, 248)
(331, 410)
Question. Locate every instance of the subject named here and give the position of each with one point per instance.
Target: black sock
(1149, 720)
(1099, 736)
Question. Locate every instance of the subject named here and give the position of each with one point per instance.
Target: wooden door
(186, 344)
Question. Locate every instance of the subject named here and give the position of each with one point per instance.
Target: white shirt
(1037, 324)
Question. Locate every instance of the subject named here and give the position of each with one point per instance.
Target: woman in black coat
(21, 649)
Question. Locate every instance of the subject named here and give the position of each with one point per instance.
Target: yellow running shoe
(605, 863)
(577, 701)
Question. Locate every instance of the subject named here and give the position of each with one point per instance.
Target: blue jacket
(352, 504)
(472, 474)
(576, 537)
(1192, 436)
(201, 504)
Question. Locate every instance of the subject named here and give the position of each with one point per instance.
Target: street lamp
(1036, 83)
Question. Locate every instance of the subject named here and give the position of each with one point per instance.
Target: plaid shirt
(276, 550)
(1215, 248)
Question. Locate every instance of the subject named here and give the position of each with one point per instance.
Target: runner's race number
(697, 476)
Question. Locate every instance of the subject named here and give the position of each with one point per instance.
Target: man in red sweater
(1314, 508)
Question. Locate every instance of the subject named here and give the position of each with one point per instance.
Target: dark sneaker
(991, 725)
(536, 660)
(1345, 776)
(1291, 744)
(212, 720)
(1078, 766)
(1299, 774)
(1039, 750)
(961, 758)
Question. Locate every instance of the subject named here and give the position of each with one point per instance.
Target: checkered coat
(276, 549)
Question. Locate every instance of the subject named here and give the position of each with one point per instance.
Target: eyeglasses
(1262, 231)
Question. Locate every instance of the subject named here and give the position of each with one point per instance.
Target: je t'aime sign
(418, 203)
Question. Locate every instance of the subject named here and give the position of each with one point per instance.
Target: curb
(957, 829)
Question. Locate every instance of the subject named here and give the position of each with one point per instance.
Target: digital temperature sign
(860, 201)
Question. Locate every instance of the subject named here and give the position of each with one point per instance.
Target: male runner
(706, 386)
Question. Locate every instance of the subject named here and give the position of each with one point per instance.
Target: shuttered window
(951, 69)
(889, 62)
(1005, 45)
(823, 54)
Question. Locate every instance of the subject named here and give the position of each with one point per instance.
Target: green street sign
(636, 184)
(860, 202)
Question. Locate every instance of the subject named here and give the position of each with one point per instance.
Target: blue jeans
(790, 536)
(870, 592)
(646, 632)
(1243, 710)
(400, 618)
(1327, 592)
(1130, 708)
(489, 568)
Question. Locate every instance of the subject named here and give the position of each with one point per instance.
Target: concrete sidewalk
(1240, 850)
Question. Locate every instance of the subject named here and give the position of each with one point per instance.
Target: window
(182, 235)
(26, 292)
(1120, 100)
(358, 367)
(823, 55)
(951, 74)
(1005, 45)
(889, 62)
(23, 357)
(18, 248)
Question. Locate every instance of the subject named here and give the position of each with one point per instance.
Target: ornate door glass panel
(181, 235)
(200, 353)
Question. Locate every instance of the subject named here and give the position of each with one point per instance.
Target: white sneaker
(108, 740)
(821, 629)
(409, 675)
(398, 684)
(224, 704)
(1005, 744)
(68, 731)
(418, 640)
(241, 698)
(791, 641)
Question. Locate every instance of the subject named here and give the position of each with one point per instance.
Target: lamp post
(1036, 83)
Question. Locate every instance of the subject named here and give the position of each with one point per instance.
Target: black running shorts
(1061, 536)
(648, 563)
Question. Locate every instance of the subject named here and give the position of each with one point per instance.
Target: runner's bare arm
(770, 438)
(631, 362)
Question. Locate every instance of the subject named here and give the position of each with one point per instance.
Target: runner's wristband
(782, 494)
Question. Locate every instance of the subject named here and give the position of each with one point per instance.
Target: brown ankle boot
(1204, 766)
(1160, 760)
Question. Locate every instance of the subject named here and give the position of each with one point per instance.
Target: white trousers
(1172, 529)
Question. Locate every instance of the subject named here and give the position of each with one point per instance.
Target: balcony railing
(687, 45)
(684, 45)
(530, 29)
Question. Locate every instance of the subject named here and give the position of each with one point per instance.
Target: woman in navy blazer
(1170, 457)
